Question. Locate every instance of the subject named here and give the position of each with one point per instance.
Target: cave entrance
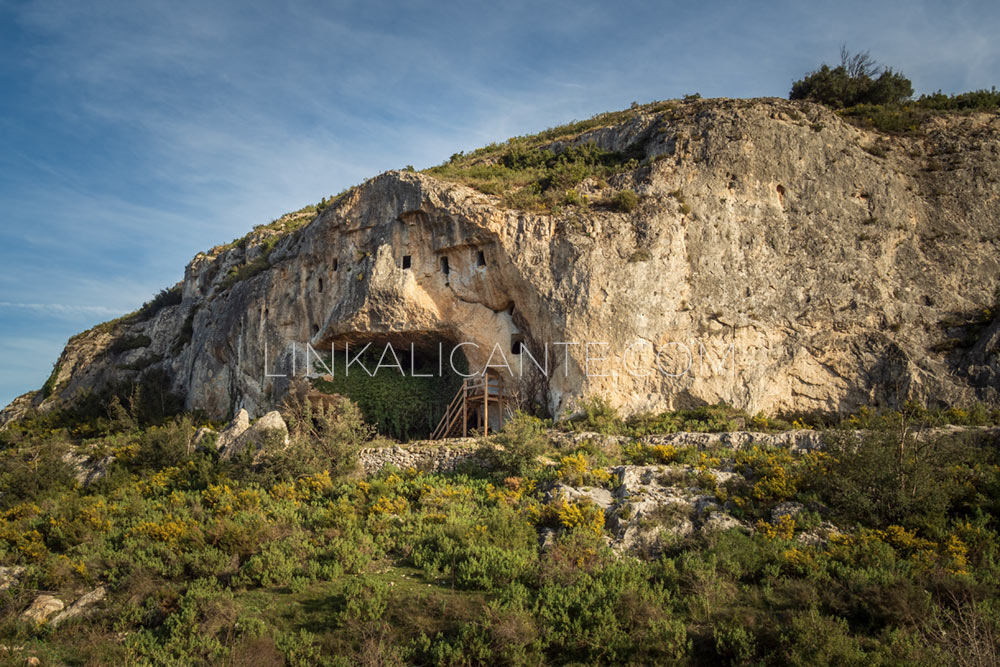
(401, 386)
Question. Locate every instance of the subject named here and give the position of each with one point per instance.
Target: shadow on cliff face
(401, 384)
(972, 346)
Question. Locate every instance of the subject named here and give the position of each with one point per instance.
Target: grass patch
(529, 177)
(529, 174)
(909, 117)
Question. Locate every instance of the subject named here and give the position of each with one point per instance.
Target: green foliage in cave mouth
(401, 406)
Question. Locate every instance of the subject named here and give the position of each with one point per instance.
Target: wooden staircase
(478, 397)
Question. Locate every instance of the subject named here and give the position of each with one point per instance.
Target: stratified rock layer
(779, 260)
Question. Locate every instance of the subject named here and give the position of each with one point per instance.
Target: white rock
(42, 607)
(236, 428)
(269, 430)
(79, 606)
(10, 576)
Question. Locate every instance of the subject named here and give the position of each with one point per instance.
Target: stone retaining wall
(445, 455)
(426, 455)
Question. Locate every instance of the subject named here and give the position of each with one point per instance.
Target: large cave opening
(402, 386)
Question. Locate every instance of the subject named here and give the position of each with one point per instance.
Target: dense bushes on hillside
(857, 80)
(881, 99)
(211, 562)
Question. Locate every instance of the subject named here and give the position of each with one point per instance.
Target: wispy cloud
(60, 308)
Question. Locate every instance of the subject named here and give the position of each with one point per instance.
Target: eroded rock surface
(783, 259)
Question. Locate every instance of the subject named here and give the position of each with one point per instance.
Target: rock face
(779, 259)
(87, 469)
(43, 607)
(237, 427)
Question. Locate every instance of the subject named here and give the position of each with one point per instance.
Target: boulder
(268, 432)
(87, 469)
(787, 508)
(236, 428)
(42, 607)
(595, 494)
(717, 522)
(202, 435)
(79, 606)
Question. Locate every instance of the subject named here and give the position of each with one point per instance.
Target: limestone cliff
(779, 259)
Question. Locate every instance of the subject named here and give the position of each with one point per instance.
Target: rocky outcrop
(80, 606)
(779, 259)
(41, 608)
(267, 433)
(87, 469)
(801, 440)
(236, 428)
(653, 502)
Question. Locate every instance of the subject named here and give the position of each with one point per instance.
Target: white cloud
(62, 308)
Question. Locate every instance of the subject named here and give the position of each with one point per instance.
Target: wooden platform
(478, 399)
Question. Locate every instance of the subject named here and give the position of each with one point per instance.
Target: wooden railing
(473, 392)
(453, 411)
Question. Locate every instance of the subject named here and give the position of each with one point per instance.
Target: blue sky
(135, 134)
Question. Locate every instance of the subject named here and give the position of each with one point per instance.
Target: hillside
(821, 487)
(776, 257)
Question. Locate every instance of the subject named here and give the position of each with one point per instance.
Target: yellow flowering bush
(389, 506)
(168, 529)
(782, 529)
(569, 515)
(575, 470)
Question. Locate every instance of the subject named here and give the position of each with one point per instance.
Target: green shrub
(513, 451)
(734, 644)
(323, 437)
(165, 298)
(597, 416)
(248, 270)
(52, 382)
(889, 476)
(165, 446)
(32, 472)
(704, 419)
(401, 406)
(978, 100)
(857, 80)
(626, 201)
